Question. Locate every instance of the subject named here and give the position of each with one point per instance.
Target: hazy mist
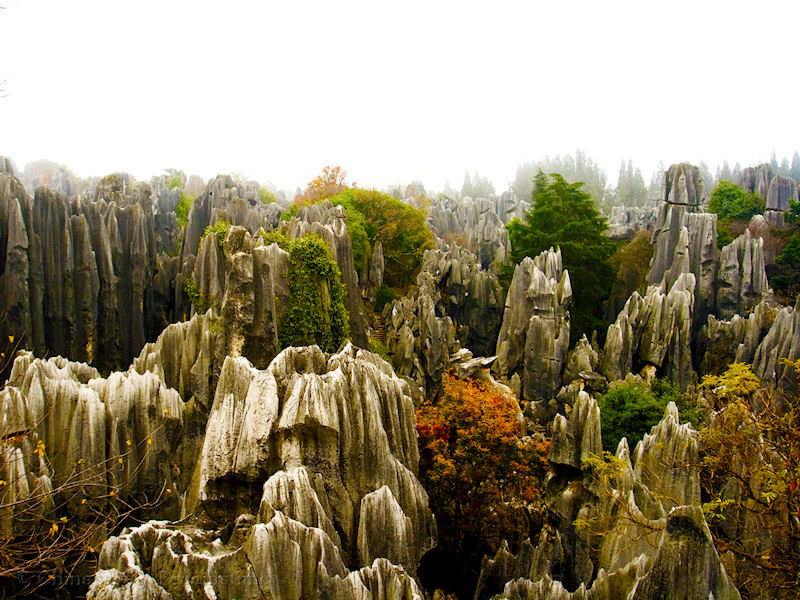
(394, 92)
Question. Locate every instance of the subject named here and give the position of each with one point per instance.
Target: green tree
(631, 408)
(729, 202)
(372, 217)
(564, 215)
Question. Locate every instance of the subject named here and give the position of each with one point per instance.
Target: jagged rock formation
(768, 337)
(685, 239)
(279, 558)
(374, 275)
(780, 344)
(81, 277)
(323, 449)
(534, 337)
(477, 224)
(456, 303)
(722, 342)
(643, 534)
(742, 278)
(782, 190)
(756, 180)
(470, 295)
(655, 329)
(225, 199)
(420, 341)
(722, 284)
(124, 432)
(246, 282)
(625, 221)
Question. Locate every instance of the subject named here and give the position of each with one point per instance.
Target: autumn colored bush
(750, 477)
(480, 471)
(483, 478)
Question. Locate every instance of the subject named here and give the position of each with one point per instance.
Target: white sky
(395, 91)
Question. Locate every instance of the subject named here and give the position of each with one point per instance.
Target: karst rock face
(757, 179)
(317, 455)
(478, 224)
(742, 279)
(652, 539)
(782, 190)
(655, 329)
(226, 199)
(81, 277)
(625, 221)
(691, 284)
(470, 295)
(534, 338)
(457, 304)
(685, 238)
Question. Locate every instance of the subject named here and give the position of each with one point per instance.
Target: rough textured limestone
(323, 449)
(80, 277)
(742, 279)
(476, 224)
(625, 221)
(346, 417)
(653, 539)
(655, 329)
(782, 190)
(281, 558)
(534, 337)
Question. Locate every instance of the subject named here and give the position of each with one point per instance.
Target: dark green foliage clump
(219, 230)
(564, 215)
(385, 295)
(785, 275)
(732, 202)
(182, 209)
(631, 408)
(315, 313)
(373, 216)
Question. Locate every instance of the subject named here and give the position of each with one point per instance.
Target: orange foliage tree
(330, 182)
(482, 474)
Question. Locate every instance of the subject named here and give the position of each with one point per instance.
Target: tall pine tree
(564, 215)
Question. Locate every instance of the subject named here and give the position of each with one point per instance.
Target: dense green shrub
(315, 313)
(275, 237)
(385, 295)
(730, 201)
(631, 408)
(399, 227)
